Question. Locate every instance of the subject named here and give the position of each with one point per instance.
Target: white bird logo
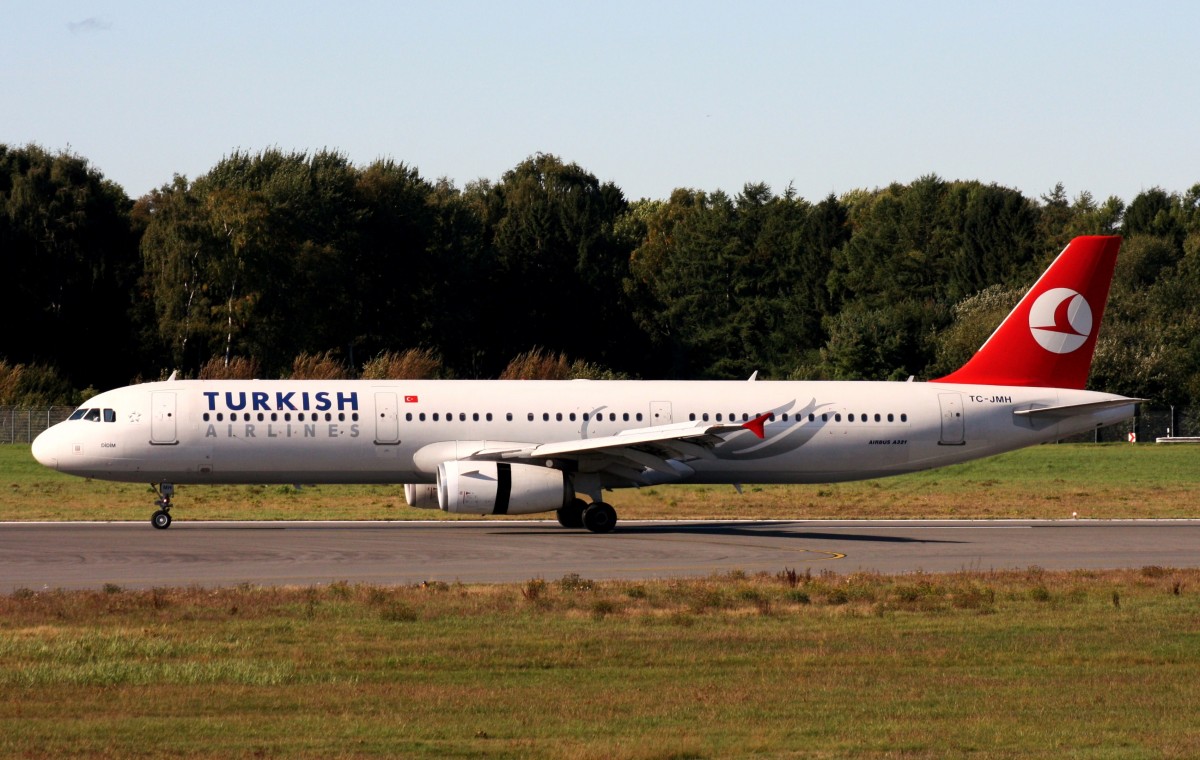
(1060, 320)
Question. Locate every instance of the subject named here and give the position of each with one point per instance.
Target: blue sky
(830, 97)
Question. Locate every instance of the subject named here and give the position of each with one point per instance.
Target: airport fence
(22, 424)
(19, 424)
(1149, 423)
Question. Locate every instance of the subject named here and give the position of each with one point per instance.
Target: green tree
(69, 256)
(553, 265)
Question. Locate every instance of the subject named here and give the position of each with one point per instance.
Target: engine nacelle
(500, 488)
(421, 495)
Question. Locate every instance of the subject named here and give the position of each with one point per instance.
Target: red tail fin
(1048, 340)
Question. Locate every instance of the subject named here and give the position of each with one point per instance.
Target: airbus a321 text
(525, 446)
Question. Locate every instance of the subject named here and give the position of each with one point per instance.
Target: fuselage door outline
(387, 419)
(162, 418)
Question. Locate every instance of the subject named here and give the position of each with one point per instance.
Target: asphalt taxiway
(209, 554)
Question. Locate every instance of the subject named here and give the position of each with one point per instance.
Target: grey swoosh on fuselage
(745, 445)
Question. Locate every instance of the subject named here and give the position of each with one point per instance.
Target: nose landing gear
(162, 518)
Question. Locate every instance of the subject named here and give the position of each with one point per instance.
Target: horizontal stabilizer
(1071, 410)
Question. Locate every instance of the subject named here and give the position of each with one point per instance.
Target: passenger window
(718, 416)
(904, 418)
(850, 418)
(612, 416)
(531, 416)
(692, 416)
(545, 416)
(704, 416)
(408, 416)
(435, 417)
(891, 418)
(837, 417)
(639, 416)
(489, 416)
(812, 417)
(421, 416)
(558, 417)
(877, 418)
(571, 416)
(220, 417)
(625, 416)
(205, 417)
(274, 416)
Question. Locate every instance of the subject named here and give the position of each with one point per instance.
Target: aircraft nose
(44, 449)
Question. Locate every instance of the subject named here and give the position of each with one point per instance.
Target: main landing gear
(598, 517)
(162, 518)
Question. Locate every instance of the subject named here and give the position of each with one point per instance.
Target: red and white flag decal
(410, 399)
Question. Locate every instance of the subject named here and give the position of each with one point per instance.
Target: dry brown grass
(413, 364)
(1014, 664)
(324, 366)
(237, 368)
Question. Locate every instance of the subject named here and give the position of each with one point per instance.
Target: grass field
(997, 664)
(1053, 481)
(1026, 664)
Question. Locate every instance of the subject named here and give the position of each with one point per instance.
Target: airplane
(494, 447)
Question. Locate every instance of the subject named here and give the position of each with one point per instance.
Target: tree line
(303, 264)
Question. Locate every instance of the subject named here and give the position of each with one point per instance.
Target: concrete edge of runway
(881, 521)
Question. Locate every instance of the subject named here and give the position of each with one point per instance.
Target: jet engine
(421, 495)
(501, 488)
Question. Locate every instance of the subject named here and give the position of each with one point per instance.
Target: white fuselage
(360, 431)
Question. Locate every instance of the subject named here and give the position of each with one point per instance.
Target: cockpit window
(77, 414)
(93, 415)
(110, 415)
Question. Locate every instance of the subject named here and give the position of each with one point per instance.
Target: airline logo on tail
(1060, 320)
(1048, 340)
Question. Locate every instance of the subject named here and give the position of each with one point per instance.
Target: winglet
(756, 425)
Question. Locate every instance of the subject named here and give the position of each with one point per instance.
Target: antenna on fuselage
(174, 372)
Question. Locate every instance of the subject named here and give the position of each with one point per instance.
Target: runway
(210, 554)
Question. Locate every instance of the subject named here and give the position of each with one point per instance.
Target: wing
(628, 454)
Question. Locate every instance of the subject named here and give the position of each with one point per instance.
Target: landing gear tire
(162, 518)
(599, 517)
(571, 516)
